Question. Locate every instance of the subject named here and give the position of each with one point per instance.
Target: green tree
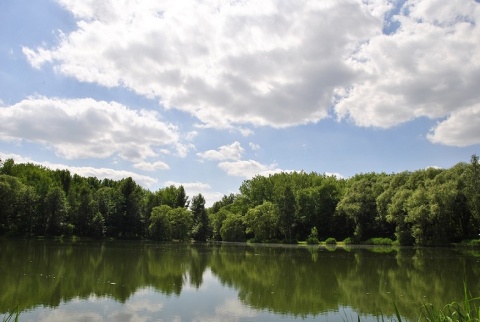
(397, 212)
(262, 221)
(225, 201)
(159, 227)
(359, 205)
(26, 212)
(418, 208)
(257, 190)
(82, 207)
(286, 213)
(9, 195)
(7, 167)
(473, 190)
(108, 202)
(216, 222)
(55, 211)
(181, 221)
(200, 230)
(233, 228)
(97, 227)
(181, 198)
(132, 219)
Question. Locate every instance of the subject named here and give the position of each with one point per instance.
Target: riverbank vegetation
(428, 207)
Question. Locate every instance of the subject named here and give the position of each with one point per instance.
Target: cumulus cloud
(82, 128)
(280, 63)
(151, 166)
(248, 168)
(273, 63)
(461, 128)
(429, 66)
(100, 173)
(233, 151)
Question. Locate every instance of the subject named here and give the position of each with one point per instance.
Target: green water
(146, 281)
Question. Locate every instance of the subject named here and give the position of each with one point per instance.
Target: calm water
(145, 281)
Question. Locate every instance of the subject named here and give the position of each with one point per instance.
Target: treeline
(37, 201)
(424, 207)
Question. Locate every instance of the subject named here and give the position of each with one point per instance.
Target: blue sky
(208, 94)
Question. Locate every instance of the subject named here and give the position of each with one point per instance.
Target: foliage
(233, 228)
(37, 201)
(313, 237)
(428, 207)
(379, 241)
(200, 229)
(13, 316)
(466, 311)
(159, 225)
(331, 241)
(348, 241)
(261, 221)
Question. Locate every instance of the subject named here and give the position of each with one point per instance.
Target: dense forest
(425, 207)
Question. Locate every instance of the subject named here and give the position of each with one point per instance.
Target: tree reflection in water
(286, 280)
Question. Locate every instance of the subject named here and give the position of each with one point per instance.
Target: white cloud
(254, 146)
(461, 128)
(248, 168)
(267, 62)
(245, 131)
(279, 63)
(233, 151)
(82, 128)
(147, 166)
(100, 173)
(334, 174)
(191, 135)
(429, 67)
(182, 149)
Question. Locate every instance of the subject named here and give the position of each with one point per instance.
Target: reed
(466, 311)
(11, 317)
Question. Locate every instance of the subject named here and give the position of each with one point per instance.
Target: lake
(147, 281)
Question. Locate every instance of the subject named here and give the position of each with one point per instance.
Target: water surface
(146, 281)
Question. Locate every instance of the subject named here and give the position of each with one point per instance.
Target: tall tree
(286, 213)
(159, 227)
(359, 204)
(26, 212)
(132, 219)
(474, 189)
(262, 221)
(108, 202)
(200, 230)
(9, 195)
(181, 222)
(233, 228)
(55, 209)
(181, 198)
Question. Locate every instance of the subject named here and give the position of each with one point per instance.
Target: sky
(207, 94)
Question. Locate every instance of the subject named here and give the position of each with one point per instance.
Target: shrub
(331, 241)
(312, 240)
(379, 241)
(348, 241)
(313, 237)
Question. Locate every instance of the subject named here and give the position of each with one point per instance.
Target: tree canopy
(423, 207)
